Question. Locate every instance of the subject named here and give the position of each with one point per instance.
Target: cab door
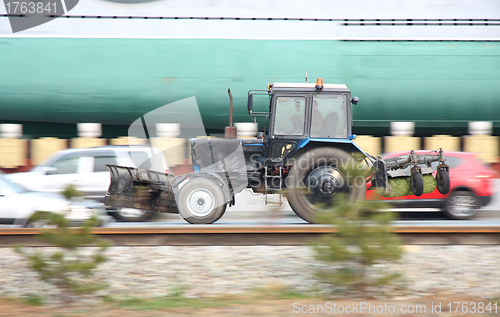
(289, 127)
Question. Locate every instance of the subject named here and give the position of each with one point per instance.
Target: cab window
(289, 116)
(329, 114)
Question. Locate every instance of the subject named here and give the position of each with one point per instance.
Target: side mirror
(354, 100)
(260, 135)
(250, 103)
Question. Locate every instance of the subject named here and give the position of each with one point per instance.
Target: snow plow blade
(140, 189)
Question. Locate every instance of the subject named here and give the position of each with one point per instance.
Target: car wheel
(316, 183)
(461, 205)
(38, 224)
(132, 215)
(201, 201)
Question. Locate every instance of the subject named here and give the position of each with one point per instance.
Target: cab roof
(308, 87)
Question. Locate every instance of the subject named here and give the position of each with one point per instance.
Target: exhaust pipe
(230, 131)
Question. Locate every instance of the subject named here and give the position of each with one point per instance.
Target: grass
(276, 293)
(176, 301)
(34, 300)
(171, 302)
(258, 302)
(401, 186)
(180, 301)
(289, 294)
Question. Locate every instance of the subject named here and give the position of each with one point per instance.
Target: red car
(471, 187)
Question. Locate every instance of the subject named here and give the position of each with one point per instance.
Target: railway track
(260, 235)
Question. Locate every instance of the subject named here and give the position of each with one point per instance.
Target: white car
(18, 204)
(86, 170)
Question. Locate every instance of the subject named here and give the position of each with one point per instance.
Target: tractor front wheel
(201, 201)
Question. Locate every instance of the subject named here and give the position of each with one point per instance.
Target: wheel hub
(325, 182)
(462, 205)
(200, 202)
(327, 187)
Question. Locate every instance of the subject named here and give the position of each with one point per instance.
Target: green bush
(362, 239)
(68, 268)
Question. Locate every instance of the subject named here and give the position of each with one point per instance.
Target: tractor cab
(303, 112)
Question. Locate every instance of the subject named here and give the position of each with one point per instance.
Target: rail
(259, 235)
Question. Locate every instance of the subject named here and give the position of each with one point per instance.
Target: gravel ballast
(210, 271)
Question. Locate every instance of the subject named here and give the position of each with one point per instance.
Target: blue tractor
(305, 152)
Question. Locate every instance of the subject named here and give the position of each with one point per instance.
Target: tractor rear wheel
(317, 183)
